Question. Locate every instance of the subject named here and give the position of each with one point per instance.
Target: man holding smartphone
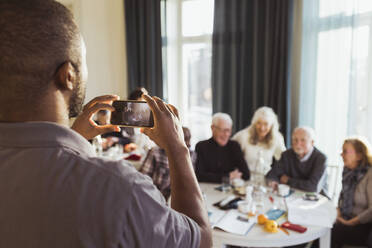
(54, 191)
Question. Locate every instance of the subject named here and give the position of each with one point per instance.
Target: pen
(284, 230)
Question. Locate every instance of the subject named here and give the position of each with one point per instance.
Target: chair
(334, 182)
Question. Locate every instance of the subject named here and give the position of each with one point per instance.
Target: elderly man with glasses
(219, 156)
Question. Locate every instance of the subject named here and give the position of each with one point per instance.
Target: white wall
(102, 25)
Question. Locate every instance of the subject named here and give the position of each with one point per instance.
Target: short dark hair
(36, 38)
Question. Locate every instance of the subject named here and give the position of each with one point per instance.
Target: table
(257, 237)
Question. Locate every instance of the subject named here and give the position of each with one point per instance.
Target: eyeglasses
(344, 152)
(223, 130)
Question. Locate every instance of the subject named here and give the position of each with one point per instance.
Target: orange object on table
(284, 230)
(261, 219)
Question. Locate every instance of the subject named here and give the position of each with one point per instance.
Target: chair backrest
(334, 181)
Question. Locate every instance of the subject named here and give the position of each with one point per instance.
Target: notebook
(231, 221)
(275, 214)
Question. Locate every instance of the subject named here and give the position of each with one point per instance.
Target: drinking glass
(225, 184)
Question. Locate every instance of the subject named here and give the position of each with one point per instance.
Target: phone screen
(132, 114)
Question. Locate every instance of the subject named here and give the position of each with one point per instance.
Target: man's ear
(66, 76)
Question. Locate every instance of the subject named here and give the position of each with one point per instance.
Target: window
(336, 81)
(189, 26)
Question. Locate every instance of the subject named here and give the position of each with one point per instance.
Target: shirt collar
(307, 156)
(43, 134)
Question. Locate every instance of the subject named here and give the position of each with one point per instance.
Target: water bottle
(259, 176)
(260, 190)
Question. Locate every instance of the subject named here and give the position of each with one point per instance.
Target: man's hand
(185, 192)
(284, 179)
(84, 123)
(235, 174)
(167, 131)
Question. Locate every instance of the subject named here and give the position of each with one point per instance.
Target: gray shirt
(55, 193)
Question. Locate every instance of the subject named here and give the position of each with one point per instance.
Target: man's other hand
(167, 131)
(84, 123)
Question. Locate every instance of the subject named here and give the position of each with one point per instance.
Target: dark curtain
(250, 58)
(144, 45)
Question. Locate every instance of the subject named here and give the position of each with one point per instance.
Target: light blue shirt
(308, 154)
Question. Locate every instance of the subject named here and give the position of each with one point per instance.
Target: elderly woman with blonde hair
(261, 141)
(354, 220)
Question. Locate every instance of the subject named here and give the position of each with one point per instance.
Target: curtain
(250, 58)
(144, 45)
(336, 79)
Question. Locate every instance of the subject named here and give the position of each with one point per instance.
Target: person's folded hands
(352, 222)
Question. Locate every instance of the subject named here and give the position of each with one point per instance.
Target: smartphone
(132, 114)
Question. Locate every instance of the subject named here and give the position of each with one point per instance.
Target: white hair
(267, 114)
(308, 130)
(221, 116)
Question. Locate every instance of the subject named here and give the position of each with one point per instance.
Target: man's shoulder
(289, 153)
(233, 144)
(318, 159)
(202, 144)
(319, 154)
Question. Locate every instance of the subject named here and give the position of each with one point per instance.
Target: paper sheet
(314, 213)
(232, 221)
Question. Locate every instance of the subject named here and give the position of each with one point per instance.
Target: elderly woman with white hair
(261, 141)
